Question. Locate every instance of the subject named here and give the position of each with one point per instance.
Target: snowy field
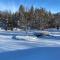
(26, 46)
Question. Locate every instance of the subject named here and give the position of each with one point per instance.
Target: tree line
(33, 18)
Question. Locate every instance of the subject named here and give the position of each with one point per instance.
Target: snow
(2, 29)
(19, 45)
(17, 29)
(11, 41)
(28, 38)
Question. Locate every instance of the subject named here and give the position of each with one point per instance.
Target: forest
(32, 18)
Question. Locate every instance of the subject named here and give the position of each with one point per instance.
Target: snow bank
(2, 29)
(28, 38)
(17, 29)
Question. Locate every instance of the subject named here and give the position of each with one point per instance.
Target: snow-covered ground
(10, 41)
(26, 45)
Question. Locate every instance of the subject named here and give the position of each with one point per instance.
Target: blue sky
(13, 5)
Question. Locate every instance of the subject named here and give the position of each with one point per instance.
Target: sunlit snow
(11, 40)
